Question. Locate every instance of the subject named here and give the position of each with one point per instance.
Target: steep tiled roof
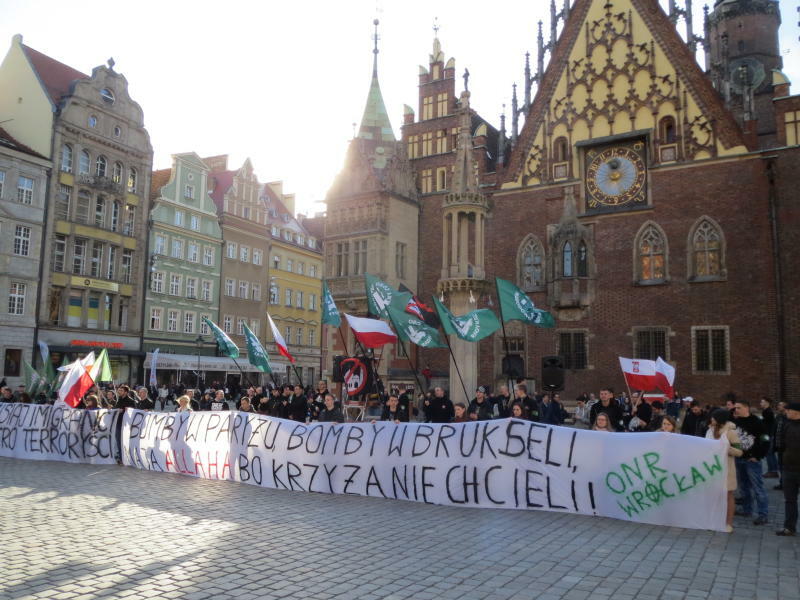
(222, 180)
(8, 141)
(158, 180)
(55, 76)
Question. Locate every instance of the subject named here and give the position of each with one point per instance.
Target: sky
(283, 83)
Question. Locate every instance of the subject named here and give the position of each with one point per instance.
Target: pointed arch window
(561, 150)
(567, 262)
(531, 264)
(707, 247)
(651, 254)
(667, 132)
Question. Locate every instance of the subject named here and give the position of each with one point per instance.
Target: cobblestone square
(84, 532)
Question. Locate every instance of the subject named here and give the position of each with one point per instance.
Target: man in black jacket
(480, 409)
(694, 421)
(789, 445)
(608, 405)
(528, 404)
(439, 408)
(755, 441)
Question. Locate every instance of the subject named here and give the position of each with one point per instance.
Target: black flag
(421, 310)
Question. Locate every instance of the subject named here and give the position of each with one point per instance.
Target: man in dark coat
(439, 408)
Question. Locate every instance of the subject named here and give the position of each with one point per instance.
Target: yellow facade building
(295, 290)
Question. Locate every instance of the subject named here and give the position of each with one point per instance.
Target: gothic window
(583, 260)
(560, 150)
(667, 133)
(651, 254)
(567, 267)
(530, 261)
(707, 250)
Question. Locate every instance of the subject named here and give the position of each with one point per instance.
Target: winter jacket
(790, 443)
(753, 436)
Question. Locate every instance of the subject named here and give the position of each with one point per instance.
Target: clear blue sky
(283, 82)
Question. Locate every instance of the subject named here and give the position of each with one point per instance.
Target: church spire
(375, 123)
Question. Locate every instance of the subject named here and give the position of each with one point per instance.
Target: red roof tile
(223, 180)
(55, 76)
(158, 180)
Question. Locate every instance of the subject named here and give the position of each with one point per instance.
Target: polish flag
(640, 374)
(77, 380)
(665, 377)
(279, 341)
(372, 333)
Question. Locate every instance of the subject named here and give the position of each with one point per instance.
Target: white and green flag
(516, 306)
(472, 327)
(256, 353)
(380, 295)
(411, 329)
(224, 343)
(330, 314)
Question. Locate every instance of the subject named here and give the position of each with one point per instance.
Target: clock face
(615, 176)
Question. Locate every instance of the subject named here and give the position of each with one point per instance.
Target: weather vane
(436, 26)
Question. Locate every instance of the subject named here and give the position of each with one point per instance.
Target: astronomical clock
(616, 176)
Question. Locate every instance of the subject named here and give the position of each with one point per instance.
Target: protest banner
(44, 432)
(658, 478)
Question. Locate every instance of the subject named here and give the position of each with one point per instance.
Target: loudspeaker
(336, 374)
(552, 373)
(514, 366)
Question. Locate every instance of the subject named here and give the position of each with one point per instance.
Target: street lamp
(199, 342)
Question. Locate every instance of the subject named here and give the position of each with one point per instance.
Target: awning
(188, 362)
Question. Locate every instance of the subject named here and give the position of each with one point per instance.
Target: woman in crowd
(206, 400)
(669, 424)
(109, 399)
(91, 402)
(518, 411)
(602, 423)
(184, 404)
(719, 426)
(461, 413)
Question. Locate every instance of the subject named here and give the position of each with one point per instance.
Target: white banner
(44, 432)
(658, 478)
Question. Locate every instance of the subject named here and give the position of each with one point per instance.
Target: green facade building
(185, 245)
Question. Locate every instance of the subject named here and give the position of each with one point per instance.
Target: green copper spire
(375, 124)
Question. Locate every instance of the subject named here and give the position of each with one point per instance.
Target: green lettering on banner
(643, 484)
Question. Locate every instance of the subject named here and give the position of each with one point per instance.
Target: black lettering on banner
(488, 486)
(474, 427)
(574, 499)
(168, 423)
(445, 432)
(533, 440)
(547, 450)
(449, 486)
(183, 419)
(591, 494)
(313, 430)
(243, 463)
(293, 472)
(425, 484)
(194, 426)
(372, 481)
(236, 430)
(516, 488)
(471, 483)
(225, 426)
(214, 420)
(375, 433)
(329, 474)
(397, 449)
(276, 469)
(335, 432)
(550, 497)
(250, 468)
(313, 474)
(274, 427)
(529, 488)
(8, 438)
(485, 441)
(351, 437)
(401, 483)
(423, 432)
(295, 438)
(517, 438)
(349, 480)
(571, 450)
(154, 462)
(253, 432)
(136, 424)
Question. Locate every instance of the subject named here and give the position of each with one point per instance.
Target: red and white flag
(81, 375)
(279, 341)
(665, 377)
(372, 333)
(640, 374)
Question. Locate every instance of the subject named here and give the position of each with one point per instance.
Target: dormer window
(107, 95)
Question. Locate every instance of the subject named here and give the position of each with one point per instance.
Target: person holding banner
(603, 423)
(608, 405)
(439, 408)
(394, 411)
(331, 413)
(720, 426)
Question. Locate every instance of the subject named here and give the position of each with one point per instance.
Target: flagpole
(505, 342)
(244, 376)
(408, 358)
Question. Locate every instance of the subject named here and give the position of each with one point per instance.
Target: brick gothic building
(649, 205)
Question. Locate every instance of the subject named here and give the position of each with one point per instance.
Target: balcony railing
(98, 182)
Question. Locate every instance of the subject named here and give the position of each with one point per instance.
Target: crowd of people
(771, 436)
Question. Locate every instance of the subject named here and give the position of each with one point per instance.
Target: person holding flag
(81, 376)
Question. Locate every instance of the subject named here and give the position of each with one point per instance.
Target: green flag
(516, 306)
(472, 327)
(380, 295)
(224, 343)
(104, 374)
(256, 353)
(330, 314)
(32, 378)
(411, 329)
